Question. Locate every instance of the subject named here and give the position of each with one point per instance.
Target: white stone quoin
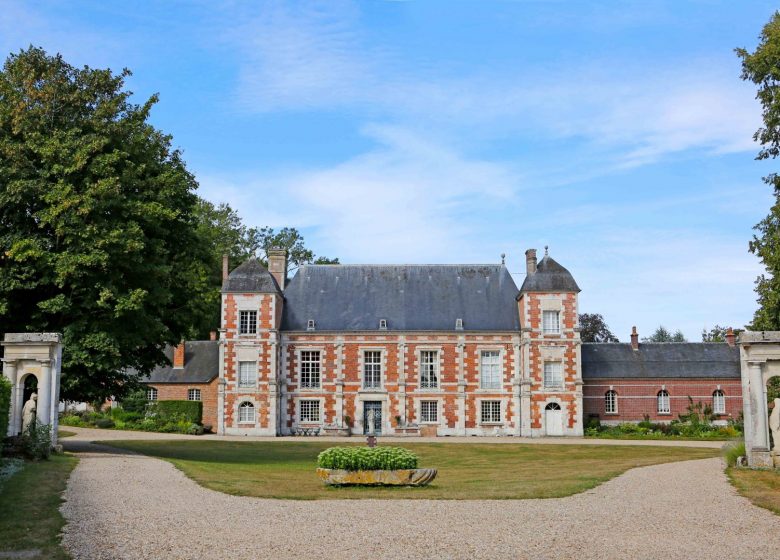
(39, 355)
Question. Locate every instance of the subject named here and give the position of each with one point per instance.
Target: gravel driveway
(131, 506)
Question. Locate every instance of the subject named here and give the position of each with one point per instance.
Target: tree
(593, 328)
(662, 334)
(98, 236)
(266, 238)
(762, 67)
(717, 334)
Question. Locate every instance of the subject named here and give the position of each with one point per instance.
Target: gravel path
(128, 506)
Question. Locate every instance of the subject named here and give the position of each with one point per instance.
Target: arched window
(151, 394)
(718, 402)
(610, 402)
(663, 402)
(193, 394)
(553, 406)
(246, 413)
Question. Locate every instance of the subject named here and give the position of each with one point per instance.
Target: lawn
(466, 471)
(30, 519)
(762, 487)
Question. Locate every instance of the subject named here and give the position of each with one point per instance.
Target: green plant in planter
(398, 421)
(367, 458)
(348, 421)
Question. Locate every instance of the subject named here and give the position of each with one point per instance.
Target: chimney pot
(634, 339)
(213, 335)
(225, 267)
(277, 265)
(530, 261)
(730, 337)
(178, 356)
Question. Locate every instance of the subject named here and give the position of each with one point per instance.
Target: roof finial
(545, 251)
(503, 257)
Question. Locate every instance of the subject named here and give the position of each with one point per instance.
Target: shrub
(5, 405)
(104, 423)
(732, 451)
(135, 401)
(71, 420)
(36, 441)
(175, 411)
(367, 458)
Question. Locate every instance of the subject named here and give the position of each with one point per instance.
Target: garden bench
(307, 431)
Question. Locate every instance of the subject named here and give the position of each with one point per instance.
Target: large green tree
(98, 232)
(662, 334)
(762, 67)
(593, 328)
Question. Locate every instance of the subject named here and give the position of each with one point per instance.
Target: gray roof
(201, 364)
(549, 277)
(409, 297)
(251, 277)
(671, 359)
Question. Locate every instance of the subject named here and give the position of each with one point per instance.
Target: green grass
(466, 471)
(762, 487)
(29, 508)
(65, 433)
(655, 437)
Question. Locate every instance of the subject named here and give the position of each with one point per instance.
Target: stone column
(9, 370)
(758, 405)
(44, 393)
(516, 389)
(339, 420)
(461, 423)
(273, 389)
(401, 351)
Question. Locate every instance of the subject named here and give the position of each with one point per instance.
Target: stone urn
(399, 477)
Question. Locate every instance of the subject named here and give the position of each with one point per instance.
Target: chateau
(431, 350)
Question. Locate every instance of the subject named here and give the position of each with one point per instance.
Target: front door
(372, 417)
(553, 420)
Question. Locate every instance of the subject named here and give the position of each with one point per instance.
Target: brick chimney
(730, 338)
(277, 265)
(634, 339)
(213, 335)
(178, 356)
(530, 261)
(225, 267)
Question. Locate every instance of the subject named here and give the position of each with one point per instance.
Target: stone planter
(400, 477)
(408, 430)
(334, 431)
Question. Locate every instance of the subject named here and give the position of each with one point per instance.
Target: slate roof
(201, 364)
(409, 297)
(250, 276)
(665, 360)
(549, 277)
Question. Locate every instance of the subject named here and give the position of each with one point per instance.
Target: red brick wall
(178, 392)
(637, 397)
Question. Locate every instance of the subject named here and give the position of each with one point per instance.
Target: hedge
(367, 458)
(5, 405)
(189, 411)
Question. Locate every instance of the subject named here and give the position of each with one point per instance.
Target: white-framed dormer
(490, 368)
(309, 367)
(372, 364)
(430, 360)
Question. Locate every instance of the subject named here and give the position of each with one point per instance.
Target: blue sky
(616, 132)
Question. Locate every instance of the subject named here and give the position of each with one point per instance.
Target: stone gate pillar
(759, 361)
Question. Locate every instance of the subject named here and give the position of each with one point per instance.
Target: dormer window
(458, 324)
(310, 325)
(382, 324)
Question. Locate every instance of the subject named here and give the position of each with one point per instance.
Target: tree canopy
(593, 328)
(662, 334)
(717, 334)
(762, 67)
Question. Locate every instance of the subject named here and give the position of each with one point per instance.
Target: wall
(178, 392)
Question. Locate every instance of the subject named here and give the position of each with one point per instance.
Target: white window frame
(718, 402)
(663, 402)
(498, 365)
(304, 403)
(151, 393)
(241, 382)
(193, 392)
(429, 405)
(247, 321)
(548, 381)
(551, 322)
(611, 402)
(490, 405)
(244, 406)
(305, 360)
(433, 364)
(376, 365)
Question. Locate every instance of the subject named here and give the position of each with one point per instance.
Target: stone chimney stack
(178, 356)
(213, 335)
(634, 339)
(730, 338)
(530, 261)
(225, 267)
(277, 265)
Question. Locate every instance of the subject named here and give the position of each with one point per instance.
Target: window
(151, 394)
(429, 369)
(382, 324)
(372, 369)
(429, 411)
(610, 402)
(247, 372)
(247, 322)
(310, 369)
(718, 402)
(551, 323)
(246, 413)
(491, 412)
(663, 402)
(193, 394)
(553, 377)
(310, 411)
(310, 325)
(489, 372)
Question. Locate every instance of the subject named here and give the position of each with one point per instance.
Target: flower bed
(375, 466)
